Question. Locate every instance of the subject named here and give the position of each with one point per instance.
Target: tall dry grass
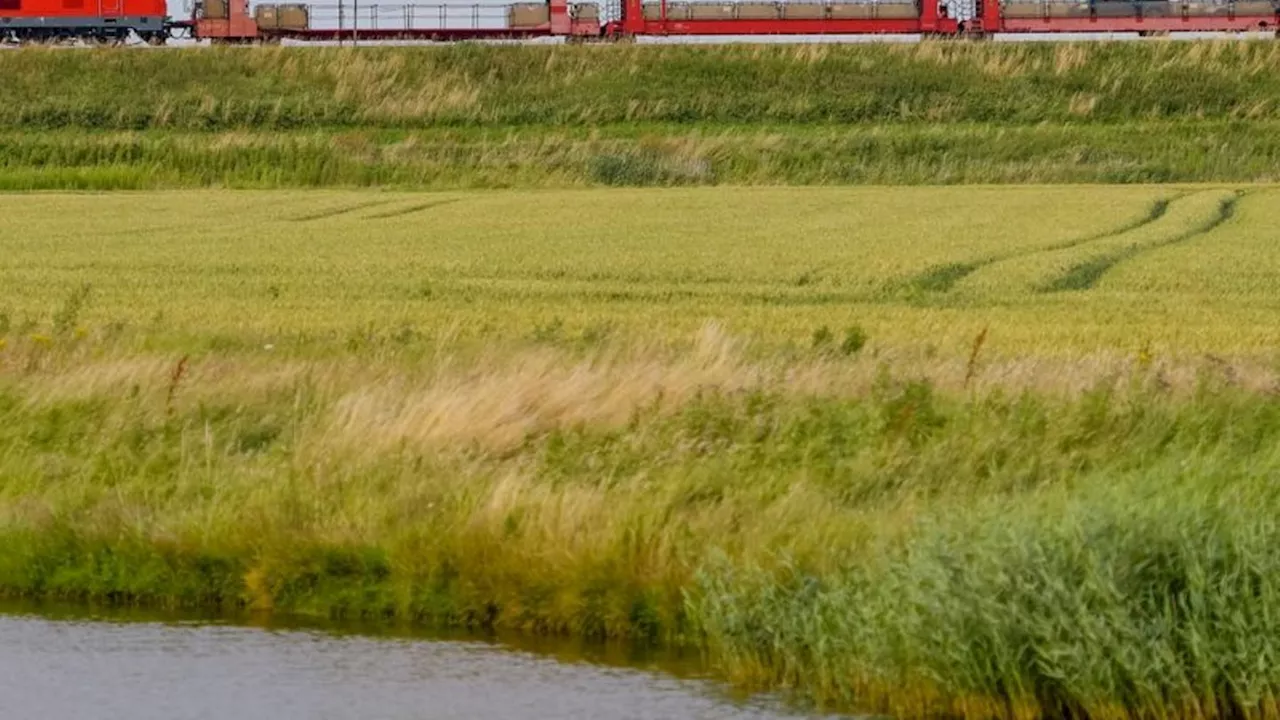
(290, 87)
(497, 399)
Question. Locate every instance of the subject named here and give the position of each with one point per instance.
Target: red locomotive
(93, 20)
(237, 21)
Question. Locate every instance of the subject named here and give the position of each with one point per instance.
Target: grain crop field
(1052, 271)
(959, 451)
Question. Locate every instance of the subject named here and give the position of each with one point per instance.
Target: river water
(61, 664)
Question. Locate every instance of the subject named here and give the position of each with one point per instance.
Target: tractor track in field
(942, 278)
(1086, 275)
(401, 212)
(335, 212)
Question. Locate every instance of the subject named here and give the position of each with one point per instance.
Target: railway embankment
(477, 116)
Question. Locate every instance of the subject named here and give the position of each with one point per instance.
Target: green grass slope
(472, 116)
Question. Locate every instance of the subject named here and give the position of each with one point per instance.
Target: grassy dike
(873, 535)
(625, 115)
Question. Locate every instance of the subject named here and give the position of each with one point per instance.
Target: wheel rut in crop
(344, 210)
(409, 210)
(942, 278)
(1085, 275)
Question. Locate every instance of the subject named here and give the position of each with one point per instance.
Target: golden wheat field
(1048, 270)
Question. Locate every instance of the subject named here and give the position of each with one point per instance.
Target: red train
(236, 21)
(92, 20)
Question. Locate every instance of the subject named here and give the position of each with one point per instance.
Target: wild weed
(67, 316)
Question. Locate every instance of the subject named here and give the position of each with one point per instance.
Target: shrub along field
(486, 117)
(968, 451)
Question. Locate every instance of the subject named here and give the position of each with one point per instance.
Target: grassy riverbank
(873, 534)
(1011, 459)
(484, 117)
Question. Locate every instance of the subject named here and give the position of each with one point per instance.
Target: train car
(796, 17)
(235, 21)
(90, 20)
(1145, 17)
(623, 19)
(969, 18)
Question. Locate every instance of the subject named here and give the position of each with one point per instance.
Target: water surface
(56, 664)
